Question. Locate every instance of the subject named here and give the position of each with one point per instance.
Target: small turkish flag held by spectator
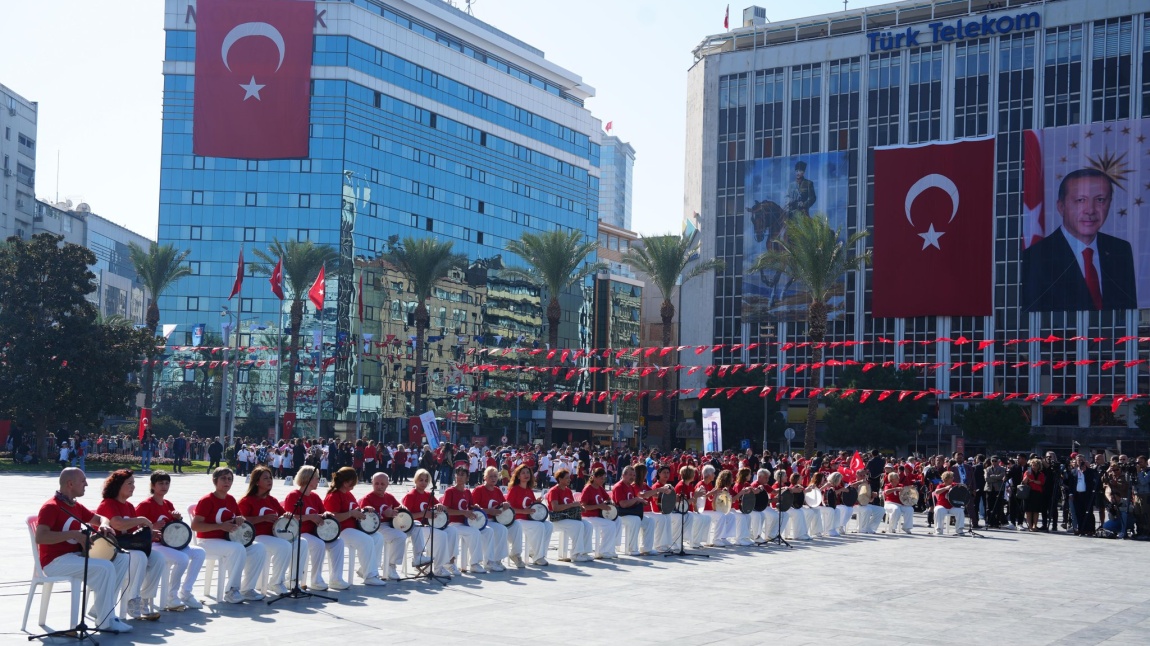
(253, 74)
(934, 229)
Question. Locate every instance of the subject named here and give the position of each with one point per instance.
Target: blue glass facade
(420, 172)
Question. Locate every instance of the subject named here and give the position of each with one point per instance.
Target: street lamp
(227, 328)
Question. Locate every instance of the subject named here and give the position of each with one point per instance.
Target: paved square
(1008, 587)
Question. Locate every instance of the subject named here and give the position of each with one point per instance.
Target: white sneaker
(495, 566)
(173, 605)
(443, 572)
(134, 608)
(278, 588)
(477, 568)
(421, 560)
(564, 559)
(190, 601)
(252, 595)
(319, 585)
(583, 558)
(374, 580)
(115, 625)
(906, 531)
(517, 561)
(392, 573)
(233, 596)
(540, 562)
(453, 570)
(340, 585)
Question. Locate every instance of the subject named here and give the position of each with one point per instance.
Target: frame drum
(327, 530)
(370, 522)
(477, 523)
(505, 517)
(403, 520)
(286, 528)
(244, 534)
(539, 512)
(176, 535)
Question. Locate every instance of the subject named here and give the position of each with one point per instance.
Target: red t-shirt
(492, 462)
(111, 508)
(941, 500)
(890, 494)
(1036, 482)
(217, 511)
(339, 502)
(520, 498)
(418, 502)
(709, 505)
(251, 506)
(735, 491)
(59, 517)
(400, 458)
(556, 496)
(453, 498)
(378, 502)
(311, 505)
(592, 495)
(369, 454)
(685, 489)
(653, 501)
(156, 512)
(485, 498)
(623, 491)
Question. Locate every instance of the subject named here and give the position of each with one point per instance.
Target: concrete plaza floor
(1010, 587)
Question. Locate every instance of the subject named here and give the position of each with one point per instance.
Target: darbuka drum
(908, 496)
(747, 501)
(403, 520)
(958, 496)
(722, 502)
(786, 500)
(439, 519)
(850, 497)
(139, 540)
(370, 521)
(813, 498)
(327, 530)
(538, 512)
(286, 528)
(610, 512)
(176, 535)
(244, 534)
(505, 517)
(104, 548)
(668, 502)
(864, 494)
(478, 520)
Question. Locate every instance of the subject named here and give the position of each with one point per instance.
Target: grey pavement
(1008, 587)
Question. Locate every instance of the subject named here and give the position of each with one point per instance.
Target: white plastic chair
(41, 579)
(213, 566)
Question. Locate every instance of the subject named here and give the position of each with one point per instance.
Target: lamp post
(226, 328)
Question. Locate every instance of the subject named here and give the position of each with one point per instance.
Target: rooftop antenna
(469, 3)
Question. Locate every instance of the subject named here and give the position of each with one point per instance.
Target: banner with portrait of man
(1086, 226)
(778, 190)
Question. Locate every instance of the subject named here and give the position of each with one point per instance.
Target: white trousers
(573, 536)
(104, 580)
(743, 524)
(515, 538)
(183, 564)
(844, 517)
(659, 534)
(721, 526)
(874, 518)
(627, 528)
(156, 566)
(648, 530)
(829, 516)
(279, 556)
(769, 528)
(940, 514)
(394, 546)
(678, 531)
(795, 525)
(698, 526)
(441, 547)
(466, 541)
(900, 513)
(316, 550)
(494, 539)
(536, 535)
(606, 534)
(244, 567)
(814, 521)
(137, 572)
(367, 548)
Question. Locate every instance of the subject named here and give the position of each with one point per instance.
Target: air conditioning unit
(7, 172)
(12, 111)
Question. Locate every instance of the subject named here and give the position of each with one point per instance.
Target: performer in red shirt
(496, 536)
(185, 563)
(696, 525)
(632, 492)
(62, 526)
(595, 498)
(721, 525)
(385, 504)
(341, 502)
(742, 522)
(423, 505)
(895, 510)
(794, 520)
(143, 570)
(943, 508)
(262, 510)
(465, 538)
(306, 504)
(560, 498)
(537, 534)
(217, 514)
(765, 521)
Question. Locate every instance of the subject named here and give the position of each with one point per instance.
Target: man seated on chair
(61, 528)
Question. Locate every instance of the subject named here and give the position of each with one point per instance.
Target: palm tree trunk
(151, 322)
(667, 312)
(816, 330)
(554, 313)
(293, 351)
(422, 320)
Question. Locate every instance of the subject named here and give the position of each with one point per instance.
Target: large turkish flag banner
(253, 73)
(934, 230)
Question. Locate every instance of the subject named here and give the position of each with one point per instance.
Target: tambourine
(813, 498)
(610, 512)
(477, 523)
(370, 521)
(538, 512)
(327, 530)
(505, 516)
(244, 534)
(403, 520)
(286, 528)
(176, 535)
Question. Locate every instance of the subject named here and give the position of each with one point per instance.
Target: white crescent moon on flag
(220, 515)
(933, 180)
(252, 29)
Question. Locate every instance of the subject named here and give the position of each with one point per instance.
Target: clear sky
(94, 66)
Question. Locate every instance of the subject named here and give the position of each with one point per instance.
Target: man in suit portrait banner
(1086, 199)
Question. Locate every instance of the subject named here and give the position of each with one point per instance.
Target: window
(194, 267)
(246, 304)
(369, 313)
(189, 374)
(195, 233)
(253, 165)
(7, 133)
(302, 235)
(249, 232)
(1111, 70)
(198, 162)
(192, 303)
(249, 199)
(430, 224)
(197, 197)
(305, 166)
(304, 201)
(479, 237)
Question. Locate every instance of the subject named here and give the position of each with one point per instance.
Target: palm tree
(814, 255)
(302, 262)
(157, 268)
(424, 262)
(558, 260)
(664, 259)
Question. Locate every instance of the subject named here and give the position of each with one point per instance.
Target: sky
(94, 67)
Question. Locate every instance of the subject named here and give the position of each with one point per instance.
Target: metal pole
(227, 327)
(279, 369)
(319, 384)
(359, 390)
(235, 383)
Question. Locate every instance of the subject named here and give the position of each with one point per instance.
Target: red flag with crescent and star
(315, 294)
(277, 279)
(934, 229)
(253, 75)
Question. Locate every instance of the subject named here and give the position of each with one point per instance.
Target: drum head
(244, 534)
(327, 530)
(850, 497)
(539, 512)
(908, 496)
(403, 520)
(104, 548)
(505, 517)
(668, 502)
(370, 522)
(286, 528)
(864, 494)
(479, 522)
(958, 496)
(747, 502)
(762, 500)
(611, 512)
(439, 520)
(722, 502)
(813, 498)
(786, 500)
(176, 535)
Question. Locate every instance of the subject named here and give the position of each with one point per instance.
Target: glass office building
(847, 82)
(435, 123)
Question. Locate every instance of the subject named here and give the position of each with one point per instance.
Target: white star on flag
(930, 238)
(252, 89)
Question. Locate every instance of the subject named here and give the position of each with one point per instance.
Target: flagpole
(359, 389)
(279, 360)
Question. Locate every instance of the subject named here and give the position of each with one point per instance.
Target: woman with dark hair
(215, 516)
(262, 510)
(421, 502)
(312, 512)
(143, 570)
(521, 495)
(368, 548)
(185, 563)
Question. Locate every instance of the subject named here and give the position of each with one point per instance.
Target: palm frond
(666, 259)
(159, 266)
(815, 255)
(302, 262)
(556, 259)
(424, 262)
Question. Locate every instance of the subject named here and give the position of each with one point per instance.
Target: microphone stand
(778, 539)
(682, 533)
(81, 631)
(427, 572)
(296, 591)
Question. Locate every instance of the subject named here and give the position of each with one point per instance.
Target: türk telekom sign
(949, 31)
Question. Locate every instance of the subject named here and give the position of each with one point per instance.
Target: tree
(58, 364)
(816, 256)
(158, 268)
(996, 424)
(875, 423)
(557, 260)
(424, 262)
(301, 264)
(665, 260)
